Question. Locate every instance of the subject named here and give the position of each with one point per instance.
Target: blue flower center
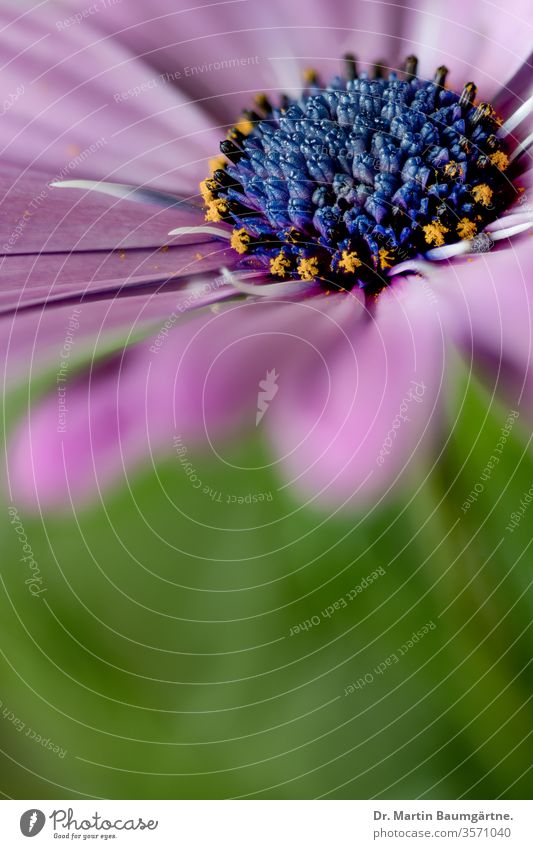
(350, 179)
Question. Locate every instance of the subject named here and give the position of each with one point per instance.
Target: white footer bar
(269, 824)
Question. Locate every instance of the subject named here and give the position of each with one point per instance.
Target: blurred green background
(161, 662)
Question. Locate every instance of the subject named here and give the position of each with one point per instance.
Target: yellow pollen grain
(349, 262)
(240, 240)
(244, 126)
(308, 268)
(500, 159)
(482, 194)
(215, 163)
(453, 169)
(309, 76)
(122, 255)
(164, 249)
(214, 210)
(434, 233)
(386, 258)
(292, 235)
(280, 265)
(198, 256)
(206, 193)
(466, 228)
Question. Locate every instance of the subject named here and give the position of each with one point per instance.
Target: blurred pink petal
(75, 107)
(347, 434)
(493, 295)
(198, 382)
(486, 42)
(203, 45)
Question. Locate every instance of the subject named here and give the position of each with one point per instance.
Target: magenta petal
(79, 104)
(347, 432)
(492, 298)
(197, 380)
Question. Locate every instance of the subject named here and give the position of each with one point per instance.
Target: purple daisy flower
(228, 248)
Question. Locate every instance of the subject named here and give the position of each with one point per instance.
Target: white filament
(290, 287)
(212, 231)
(121, 190)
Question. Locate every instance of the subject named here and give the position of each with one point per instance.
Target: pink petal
(36, 217)
(31, 340)
(38, 280)
(348, 432)
(477, 41)
(480, 41)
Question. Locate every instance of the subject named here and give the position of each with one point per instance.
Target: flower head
(369, 167)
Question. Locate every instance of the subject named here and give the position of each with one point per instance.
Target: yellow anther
(453, 169)
(500, 159)
(280, 265)
(482, 194)
(349, 262)
(244, 126)
(240, 240)
(216, 162)
(310, 76)
(386, 258)
(308, 268)
(434, 233)
(466, 228)
(214, 210)
(262, 102)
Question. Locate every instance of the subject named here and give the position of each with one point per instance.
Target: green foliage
(161, 656)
